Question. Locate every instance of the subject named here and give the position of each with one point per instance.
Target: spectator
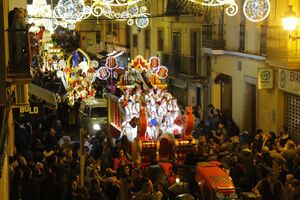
(193, 157)
(269, 188)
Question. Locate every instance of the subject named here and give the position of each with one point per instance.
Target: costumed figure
(149, 95)
(162, 110)
(151, 130)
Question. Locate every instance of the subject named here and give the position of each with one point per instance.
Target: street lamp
(290, 22)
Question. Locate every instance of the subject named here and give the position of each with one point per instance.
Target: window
(160, 40)
(147, 39)
(176, 42)
(242, 31)
(98, 112)
(98, 37)
(135, 38)
(109, 27)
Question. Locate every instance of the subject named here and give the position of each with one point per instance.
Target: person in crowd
(265, 152)
(283, 136)
(245, 158)
(193, 157)
(121, 158)
(145, 192)
(51, 140)
(236, 170)
(269, 188)
(289, 153)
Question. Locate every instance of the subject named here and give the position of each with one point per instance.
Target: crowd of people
(263, 162)
(46, 165)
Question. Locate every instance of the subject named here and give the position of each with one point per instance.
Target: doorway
(226, 96)
(250, 107)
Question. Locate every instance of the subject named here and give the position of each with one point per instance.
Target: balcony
(213, 36)
(18, 71)
(280, 50)
(184, 67)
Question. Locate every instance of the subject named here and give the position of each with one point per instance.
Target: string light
(133, 14)
(254, 10)
(116, 2)
(231, 6)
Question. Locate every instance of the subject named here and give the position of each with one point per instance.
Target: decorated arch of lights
(68, 12)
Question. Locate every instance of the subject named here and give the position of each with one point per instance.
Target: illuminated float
(77, 74)
(147, 114)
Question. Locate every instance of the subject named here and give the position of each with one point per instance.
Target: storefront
(289, 83)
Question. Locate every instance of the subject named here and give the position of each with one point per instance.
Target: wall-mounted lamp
(290, 22)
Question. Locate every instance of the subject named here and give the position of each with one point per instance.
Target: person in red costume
(122, 157)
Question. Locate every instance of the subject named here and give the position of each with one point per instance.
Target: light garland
(231, 6)
(116, 2)
(133, 14)
(36, 11)
(256, 10)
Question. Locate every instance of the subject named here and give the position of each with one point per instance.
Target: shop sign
(265, 78)
(289, 81)
(28, 112)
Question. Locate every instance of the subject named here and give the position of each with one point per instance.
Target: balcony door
(194, 52)
(176, 47)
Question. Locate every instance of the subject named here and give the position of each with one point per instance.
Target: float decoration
(145, 98)
(78, 75)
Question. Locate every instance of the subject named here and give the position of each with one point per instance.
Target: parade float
(77, 75)
(142, 110)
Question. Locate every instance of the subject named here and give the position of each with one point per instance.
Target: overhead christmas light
(116, 2)
(256, 10)
(231, 6)
(71, 11)
(133, 14)
(37, 11)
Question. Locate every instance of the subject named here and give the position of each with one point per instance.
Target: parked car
(93, 115)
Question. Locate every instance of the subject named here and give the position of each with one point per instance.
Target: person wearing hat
(269, 188)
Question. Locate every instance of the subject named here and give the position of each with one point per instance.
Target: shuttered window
(292, 115)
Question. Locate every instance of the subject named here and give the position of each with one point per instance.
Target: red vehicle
(213, 182)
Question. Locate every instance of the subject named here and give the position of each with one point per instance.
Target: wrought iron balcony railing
(213, 36)
(185, 65)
